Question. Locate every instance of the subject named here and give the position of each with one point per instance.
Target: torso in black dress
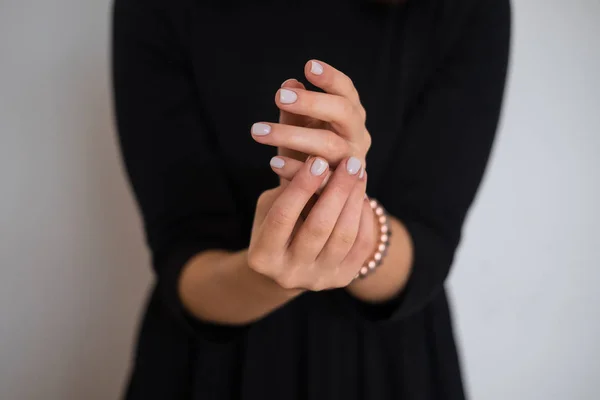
(192, 76)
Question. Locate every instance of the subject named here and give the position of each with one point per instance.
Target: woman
(279, 281)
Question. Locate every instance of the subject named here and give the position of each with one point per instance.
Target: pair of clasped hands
(315, 230)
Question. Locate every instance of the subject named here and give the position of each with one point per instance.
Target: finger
(315, 231)
(346, 229)
(337, 110)
(317, 142)
(331, 80)
(289, 118)
(365, 244)
(281, 218)
(287, 168)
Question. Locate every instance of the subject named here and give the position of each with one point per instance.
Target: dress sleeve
(437, 168)
(168, 154)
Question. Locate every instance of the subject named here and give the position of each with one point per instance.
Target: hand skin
(391, 276)
(301, 131)
(287, 254)
(240, 287)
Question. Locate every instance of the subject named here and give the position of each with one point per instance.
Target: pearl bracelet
(384, 241)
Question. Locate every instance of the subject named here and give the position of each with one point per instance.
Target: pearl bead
(382, 219)
(372, 264)
(384, 238)
(364, 270)
(379, 211)
(373, 203)
(384, 229)
(381, 247)
(377, 256)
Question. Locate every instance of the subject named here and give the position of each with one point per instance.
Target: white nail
(318, 167)
(260, 129)
(362, 173)
(353, 165)
(287, 96)
(277, 162)
(316, 68)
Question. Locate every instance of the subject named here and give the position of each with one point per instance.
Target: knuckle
(363, 114)
(318, 285)
(257, 261)
(344, 149)
(287, 281)
(368, 140)
(265, 198)
(347, 108)
(340, 281)
(348, 81)
(331, 142)
(334, 144)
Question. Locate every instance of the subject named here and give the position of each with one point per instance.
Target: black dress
(190, 78)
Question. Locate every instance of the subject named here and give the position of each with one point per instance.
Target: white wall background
(73, 267)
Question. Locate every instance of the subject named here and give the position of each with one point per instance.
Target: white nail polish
(277, 162)
(362, 173)
(287, 96)
(353, 165)
(316, 68)
(318, 167)
(260, 129)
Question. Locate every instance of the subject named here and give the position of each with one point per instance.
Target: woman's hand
(330, 125)
(327, 249)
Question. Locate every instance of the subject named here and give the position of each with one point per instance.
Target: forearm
(391, 276)
(219, 287)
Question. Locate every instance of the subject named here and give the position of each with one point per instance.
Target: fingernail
(318, 166)
(288, 80)
(277, 162)
(287, 96)
(362, 173)
(316, 68)
(353, 165)
(260, 129)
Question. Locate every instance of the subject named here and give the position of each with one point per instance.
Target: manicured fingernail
(316, 68)
(277, 162)
(353, 165)
(318, 166)
(362, 173)
(288, 80)
(260, 129)
(287, 96)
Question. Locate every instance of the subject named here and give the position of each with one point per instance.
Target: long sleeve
(437, 167)
(167, 148)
